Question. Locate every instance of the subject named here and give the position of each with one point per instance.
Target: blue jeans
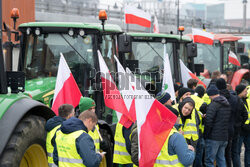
(246, 141)
(236, 151)
(199, 153)
(215, 150)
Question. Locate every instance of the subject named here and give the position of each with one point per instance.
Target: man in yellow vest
(85, 104)
(72, 144)
(241, 91)
(65, 112)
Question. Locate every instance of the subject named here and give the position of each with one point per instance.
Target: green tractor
(25, 109)
(146, 58)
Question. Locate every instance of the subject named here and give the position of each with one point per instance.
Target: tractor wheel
(26, 146)
(108, 160)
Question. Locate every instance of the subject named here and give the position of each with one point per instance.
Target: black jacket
(53, 122)
(235, 114)
(240, 117)
(217, 119)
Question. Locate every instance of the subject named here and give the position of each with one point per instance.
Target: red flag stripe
(133, 19)
(202, 39)
(195, 77)
(233, 61)
(156, 128)
(69, 94)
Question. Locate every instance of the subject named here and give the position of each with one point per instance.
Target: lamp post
(178, 16)
(244, 14)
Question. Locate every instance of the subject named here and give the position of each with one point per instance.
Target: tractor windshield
(147, 61)
(209, 55)
(42, 56)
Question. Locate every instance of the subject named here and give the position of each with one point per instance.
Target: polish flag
(200, 36)
(112, 96)
(186, 74)
(137, 16)
(66, 90)
(167, 83)
(154, 123)
(156, 25)
(233, 59)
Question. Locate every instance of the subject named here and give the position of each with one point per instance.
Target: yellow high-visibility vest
(66, 148)
(95, 136)
(164, 159)
(248, 111)
(49, 146)
(121, 155)
(190, 129)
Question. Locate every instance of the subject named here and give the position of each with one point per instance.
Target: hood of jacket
(225, 93)
(53, 122)
(222, 100)
(73, 124)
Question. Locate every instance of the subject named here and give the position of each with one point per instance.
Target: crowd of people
(212, 124)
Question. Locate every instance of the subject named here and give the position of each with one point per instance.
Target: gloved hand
(104, 145)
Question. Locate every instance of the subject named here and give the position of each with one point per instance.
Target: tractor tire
(109, 155)
(26, 146)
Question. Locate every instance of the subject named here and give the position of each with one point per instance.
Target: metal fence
(52, 10)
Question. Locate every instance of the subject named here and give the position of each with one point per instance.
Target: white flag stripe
(137, 12)
(202, 33)
(167, 76)
(232, 54)
(185, 76)
(63, 68)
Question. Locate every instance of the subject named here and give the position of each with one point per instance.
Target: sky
(233, 8)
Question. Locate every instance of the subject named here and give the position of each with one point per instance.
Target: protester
(216, 128)
(65, 112)
(234, 117)
(72, 143)
(241, 90)
(192, 83)
(190, 121)
(165, 99)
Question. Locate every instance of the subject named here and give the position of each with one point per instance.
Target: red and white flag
(156, 25)
(232, 58)
(186, 74)
(200, 36)
(112, 96)
(154, 123)
(137, 16)
(127, 93)
(66, 90)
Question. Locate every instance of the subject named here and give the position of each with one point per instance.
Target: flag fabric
(232, 58)
(200, 36)
(167, 83)
(154, 123)
(66, 90)
(137, 16)
(126, 91)
(156, 25)
(186, 74)
(112, 96)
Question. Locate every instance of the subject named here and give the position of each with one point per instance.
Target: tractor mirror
(198, 68)
(192, 50)
(240, 48)
(124, 43)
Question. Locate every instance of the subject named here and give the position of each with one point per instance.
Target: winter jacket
(217, 119)
(126, 133)
(84, 143)
(240, 118)
(134, 144)
(176, 145)
(235, 119)
(53, 122)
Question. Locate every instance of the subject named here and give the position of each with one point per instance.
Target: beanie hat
(182, 91)
(200, 90)
(212, 90)
(240, 88)
(163, 97)
(221, 84)
(86, 103)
